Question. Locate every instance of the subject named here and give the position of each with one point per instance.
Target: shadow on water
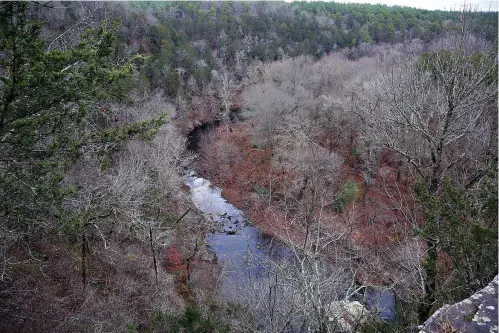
(236, 115)
(195, 135)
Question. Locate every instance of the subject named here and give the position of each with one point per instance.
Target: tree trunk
(188, 263)
(153, 256)
(367, 185)
(302, 189)
(399, 167)
(84, 258)
(429, 298)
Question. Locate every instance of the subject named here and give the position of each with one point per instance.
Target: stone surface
(349, 315)
(476, 314)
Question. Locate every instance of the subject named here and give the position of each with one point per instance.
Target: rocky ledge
(476, 314)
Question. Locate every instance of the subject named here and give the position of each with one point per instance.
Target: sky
(432, 4)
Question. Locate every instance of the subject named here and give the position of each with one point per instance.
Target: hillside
(244, 166)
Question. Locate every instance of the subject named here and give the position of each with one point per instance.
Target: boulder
(230, 229)
(476, 314)
(349, 315)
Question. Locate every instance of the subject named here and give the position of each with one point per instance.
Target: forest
(246, 167)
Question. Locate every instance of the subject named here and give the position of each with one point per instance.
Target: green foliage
(132, 327)
(261, 191)
(51, 112)
(185, 34)
(348, 193)
(404, 318)
(267, 27)
(191, 321)
(461, 228)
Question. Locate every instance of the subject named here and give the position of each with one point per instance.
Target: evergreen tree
(466, 235)
(52, 110)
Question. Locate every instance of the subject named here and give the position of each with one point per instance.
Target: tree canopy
(53, 109)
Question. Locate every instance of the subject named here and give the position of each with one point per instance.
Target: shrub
(348, 192)
(191, 321)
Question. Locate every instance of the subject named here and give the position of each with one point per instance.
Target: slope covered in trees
(189, 40)
(363, 137)
(86, 168)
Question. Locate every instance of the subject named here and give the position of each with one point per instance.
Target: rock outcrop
(349, 315)
(476, 314)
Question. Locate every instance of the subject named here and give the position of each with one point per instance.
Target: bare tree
(124, 191)
(426, 108)
(308, 288)
(268, 106)
(423, 107)
(225, 88)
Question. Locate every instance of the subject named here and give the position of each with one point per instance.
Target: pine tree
(51, 105)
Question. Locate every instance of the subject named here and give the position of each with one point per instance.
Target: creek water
(242, 249)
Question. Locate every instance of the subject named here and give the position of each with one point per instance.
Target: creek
(242, 249)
